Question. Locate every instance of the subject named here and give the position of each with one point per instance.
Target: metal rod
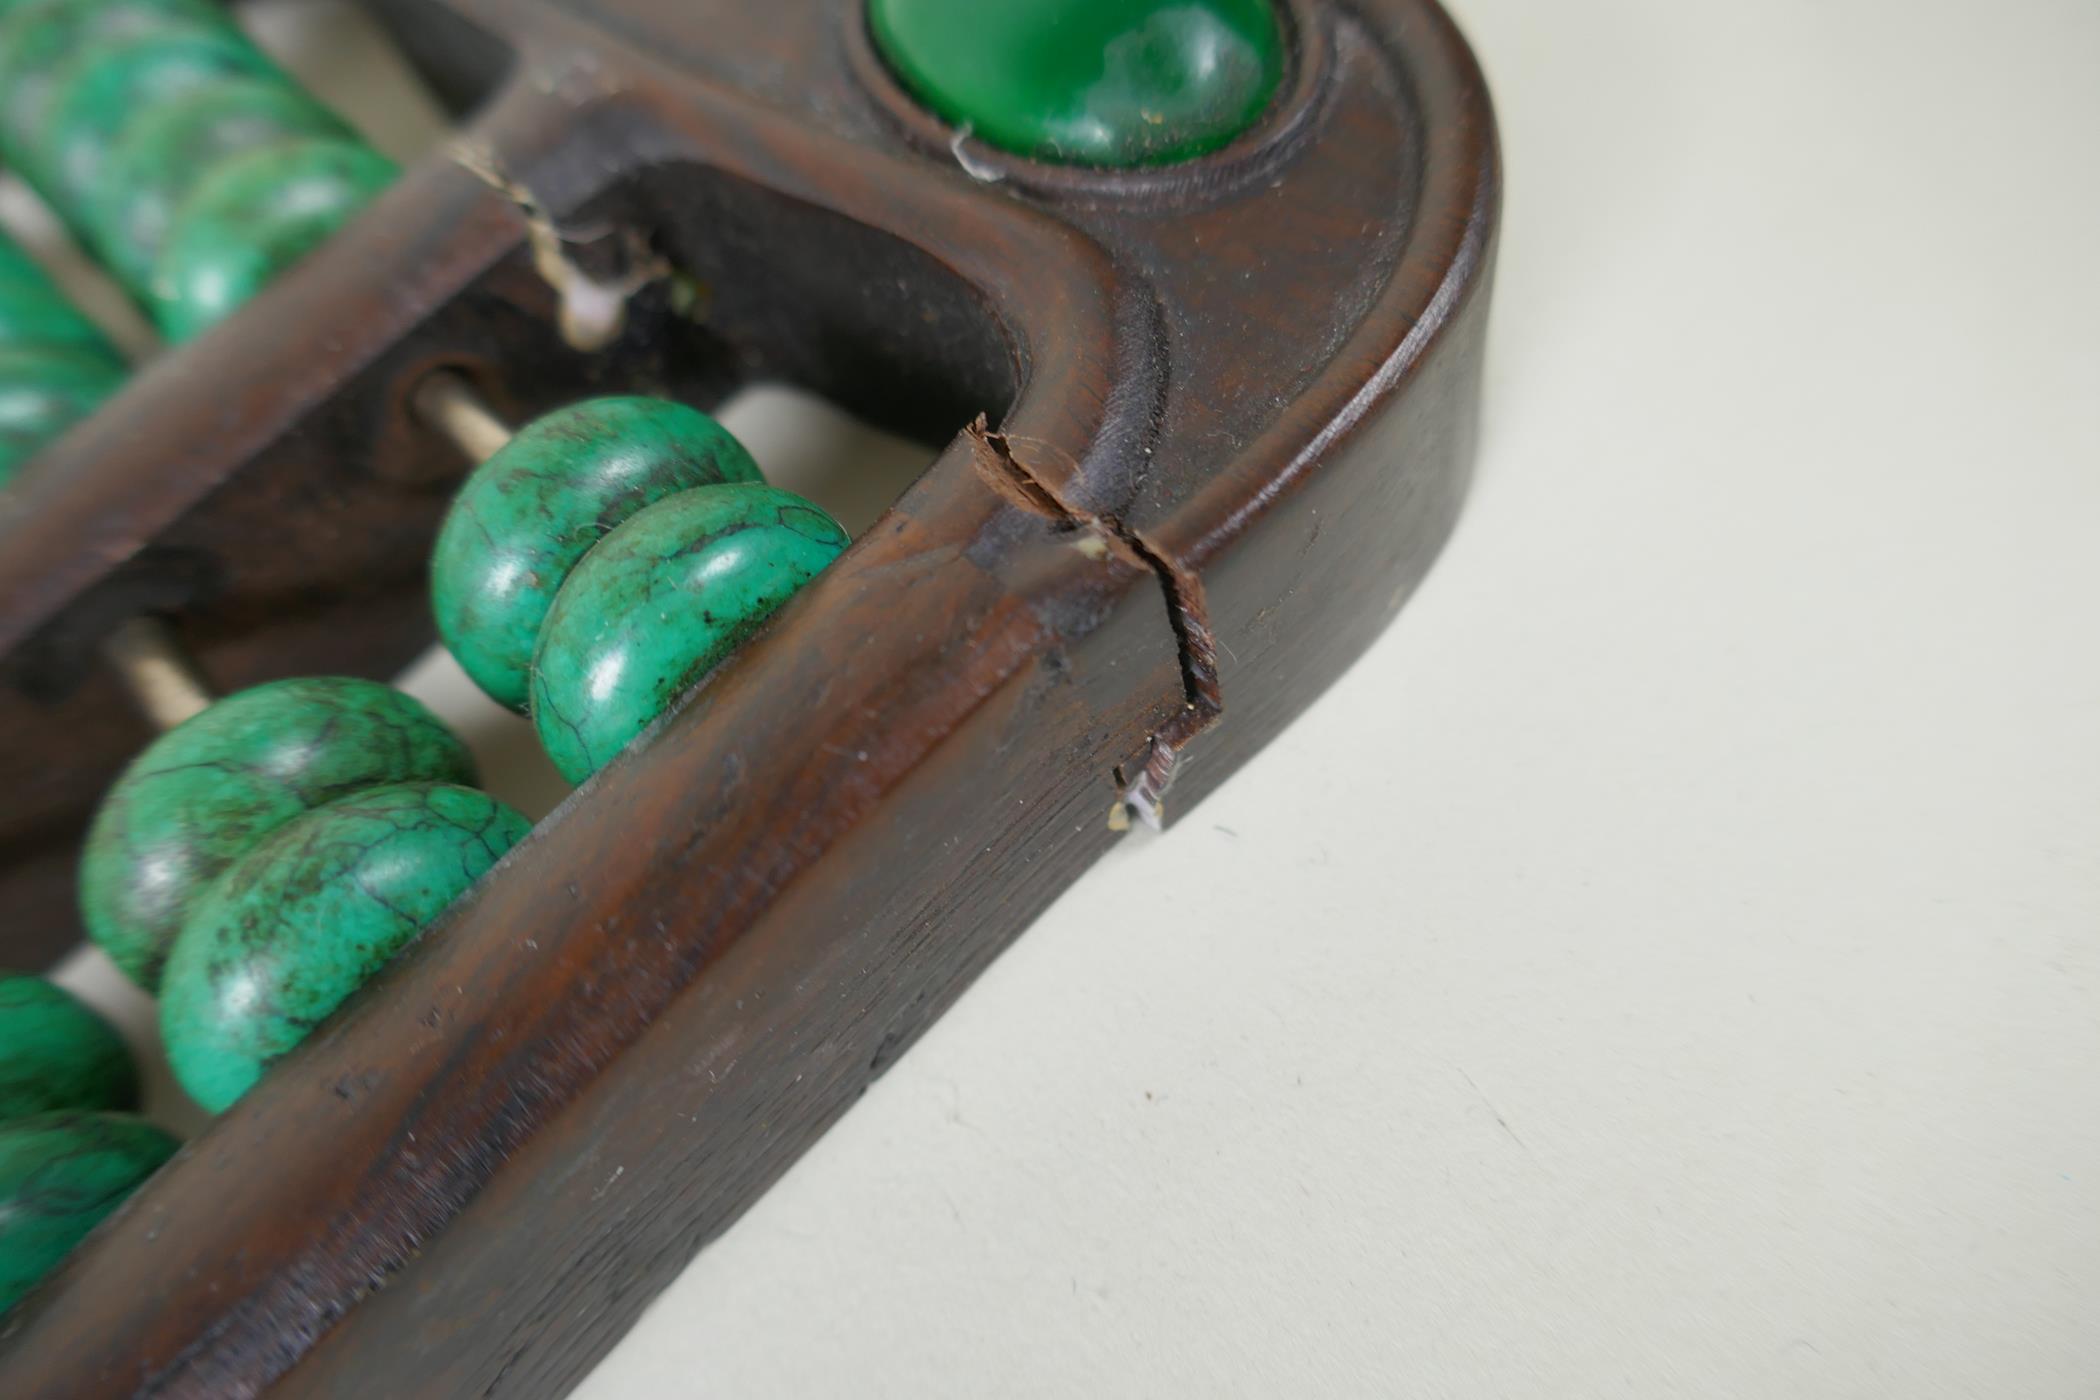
(162, 679)
(448, 401)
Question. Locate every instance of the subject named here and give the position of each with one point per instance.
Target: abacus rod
(164, 682)
(448, 401)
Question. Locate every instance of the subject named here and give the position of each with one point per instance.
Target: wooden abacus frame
(1234, 406)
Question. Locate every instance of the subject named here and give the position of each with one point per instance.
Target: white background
(1665, 966)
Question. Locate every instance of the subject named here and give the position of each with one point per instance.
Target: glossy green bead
(211, 789)
(33, 311)
(1090, 82)
(657, 603)
(45, 390)
(168, 149)
(108, 85)
(526, 515)
(55, 1053)
(60, 1174)
(300, 922)
(253, 216)
(39, 43)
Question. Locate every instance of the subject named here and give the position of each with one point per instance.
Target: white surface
(1693, 991)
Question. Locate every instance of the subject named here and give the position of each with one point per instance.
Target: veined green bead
(252, 217)
(529, 512)
(108, 85)
(657, 603)
(165, 151)
(211, 789)
(45, 389)
(300, 922)
(1092, 82)
(40, 41)
(60, 1174)
(55, 1053)
(33, 311)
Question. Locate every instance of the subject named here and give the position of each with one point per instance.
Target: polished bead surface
(251, 217)
(43, 391)
(1089, 82)
(106, 86)
(39, 42)
(56, 1053)
(60, 1174)
(33, 311)
(165, 151)
(526, 515)
(212, 788)
(297, 924)
(657, 603)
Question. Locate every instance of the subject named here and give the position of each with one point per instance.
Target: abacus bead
(657, 603)
(60, 1174)
(163, 154)
(212, 788)
(252, 217)
(38, 41)
(526, 515)
(107, 86)
(45, 389)
(34, 312)
(55, 1053)
(298, 923)
(1092, 82)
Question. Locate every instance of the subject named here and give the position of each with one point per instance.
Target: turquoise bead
(39, 42)
(657, 603)
(1092, 82)
(60, 1174)
(211, 789)
(166, 151)
(105, 87)
(250, 218)
(55, 1053)
(33, 311)
(43, 391)
(301, 921)
(526, 515)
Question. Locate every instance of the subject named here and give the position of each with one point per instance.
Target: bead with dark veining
(164, 153)
(657, 603)
(210, 789)
(251, 217)
(297, 924)
(526, 515)
(55, 1053)
(33, 311)
(60, 1174)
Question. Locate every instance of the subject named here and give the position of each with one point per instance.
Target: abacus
(1186, 302)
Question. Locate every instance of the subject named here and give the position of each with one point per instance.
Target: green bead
(529, 512)
(60, 1174)
(300, 922)
(108, 85)
(40, 41)
(657, 603)
(163, 154)
(45, 390)
(250, 218)
(56, 1053)
(211, 789)
(34, 312)
(1090, 82)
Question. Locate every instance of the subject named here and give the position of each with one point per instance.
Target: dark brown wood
(1228, 417)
